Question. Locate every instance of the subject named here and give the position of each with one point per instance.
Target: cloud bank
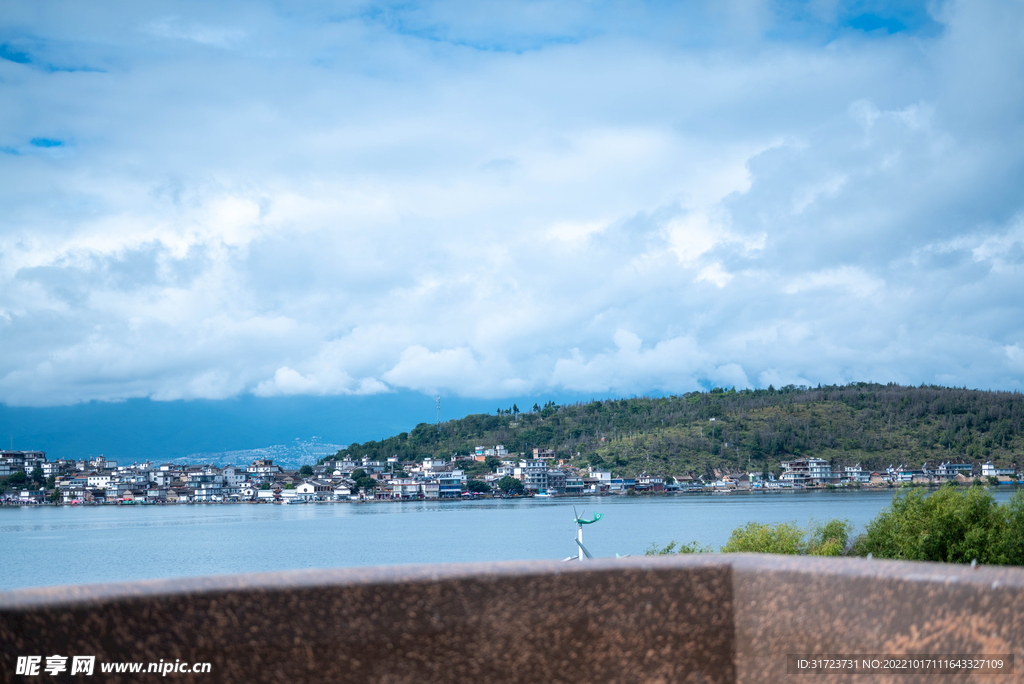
(496, 199)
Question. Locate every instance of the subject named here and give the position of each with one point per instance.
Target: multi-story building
(434, 465)
(949, 471)
(55, 468)
(807, 471)
(13, 461)
(116, 490)
(533, 474)
(207, 485)
(234, 476)
(507, 468)
(74, 480)
(574, 484)
(96, 480)
(30, 459)
(622, 484)
(650, 483)
(263, 470)
(449, 486)
(556, 481)
(856, 474)
(903, 474)
(989, 470)
(162, 477)
(101, 463)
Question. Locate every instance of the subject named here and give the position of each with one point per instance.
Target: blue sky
(489, 200)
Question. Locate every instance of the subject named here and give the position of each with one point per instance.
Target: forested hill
(699, 432)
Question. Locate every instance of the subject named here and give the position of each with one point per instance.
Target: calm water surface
(49, 546)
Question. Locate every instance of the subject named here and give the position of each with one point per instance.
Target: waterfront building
(404, 488)
(116, 490)
(555, 482)
(650, 483)
(206, 485)
(32, 496)
(621, 484)
(950, 470)
(574, 484)
(449, 486)
(807, 471)
(856, 474)
(989, 470)
(72, 495)
(533, 474)
(343, 490)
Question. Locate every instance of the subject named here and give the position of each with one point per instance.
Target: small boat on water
(545, 494)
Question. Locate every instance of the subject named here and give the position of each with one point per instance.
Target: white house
(989, 470)
(314, 490)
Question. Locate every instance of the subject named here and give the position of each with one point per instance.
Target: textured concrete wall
(786, 604)
(527, 622)
(669, 619)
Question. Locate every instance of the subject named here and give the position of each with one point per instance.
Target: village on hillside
(28, 477)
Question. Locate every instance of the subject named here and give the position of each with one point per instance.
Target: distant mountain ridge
(289, 457)
(138, 430)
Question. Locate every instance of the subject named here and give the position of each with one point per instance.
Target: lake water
(48, 546)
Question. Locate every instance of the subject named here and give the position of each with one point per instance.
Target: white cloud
(512, 198)
(848, 279)
(172, 27)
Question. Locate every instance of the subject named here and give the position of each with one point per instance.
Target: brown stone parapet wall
(787, 604)
(514, 622)
(706, 618)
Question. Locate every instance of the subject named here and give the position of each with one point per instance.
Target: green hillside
(871, 424)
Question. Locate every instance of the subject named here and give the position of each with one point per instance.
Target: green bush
(674, 547)
(950, 526)
(754, 537)
(828, 539)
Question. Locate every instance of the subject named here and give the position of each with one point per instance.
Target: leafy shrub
(754, 537)
(674, 547)
(950, 526)
(828, 539)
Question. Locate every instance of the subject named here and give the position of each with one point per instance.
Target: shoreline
(645, 495)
